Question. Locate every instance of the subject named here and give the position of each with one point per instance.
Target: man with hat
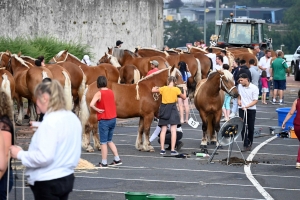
(154, 66)
(118, 44)
(247, 108)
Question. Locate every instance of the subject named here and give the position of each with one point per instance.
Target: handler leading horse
(134, 100)
(209, 100)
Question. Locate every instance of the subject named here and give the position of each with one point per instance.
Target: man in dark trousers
(247, 101)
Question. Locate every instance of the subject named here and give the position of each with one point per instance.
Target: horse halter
(222, 84)
(60, 61)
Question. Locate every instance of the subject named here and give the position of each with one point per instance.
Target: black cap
(119, 42)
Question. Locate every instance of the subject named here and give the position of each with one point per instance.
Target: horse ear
(19, 54)
(7, 51)
(136, 50)
(66, 50)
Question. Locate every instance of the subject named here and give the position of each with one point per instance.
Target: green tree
(180, 33)
(176, 4)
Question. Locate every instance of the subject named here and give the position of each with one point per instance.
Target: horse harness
(222, 84)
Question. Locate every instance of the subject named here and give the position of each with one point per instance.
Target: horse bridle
(222, 84)
(61, 61)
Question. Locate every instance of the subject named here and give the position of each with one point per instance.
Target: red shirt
(152, 71)
(107, 103)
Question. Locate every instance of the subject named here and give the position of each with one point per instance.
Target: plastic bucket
(136, 195)
(282, 112)
(160, 197)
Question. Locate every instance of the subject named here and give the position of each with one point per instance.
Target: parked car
(295, 64)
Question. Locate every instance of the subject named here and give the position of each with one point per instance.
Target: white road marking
(247, 169)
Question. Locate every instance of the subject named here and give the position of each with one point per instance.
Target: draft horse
(209, 100)
(134, 100)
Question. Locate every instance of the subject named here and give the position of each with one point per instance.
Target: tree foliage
(176, 4)
(180, 33)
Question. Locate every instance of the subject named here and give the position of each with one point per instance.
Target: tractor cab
(242, 32)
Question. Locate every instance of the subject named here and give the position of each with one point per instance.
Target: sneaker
(232, 115)
(115, 163)
(174, 153)
(180, 144)
(297, 165)
(162, 152)
(102, 166)
(223, 120)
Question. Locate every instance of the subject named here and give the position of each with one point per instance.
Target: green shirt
(279, 66)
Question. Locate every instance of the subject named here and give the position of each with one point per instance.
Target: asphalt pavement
(273, 177)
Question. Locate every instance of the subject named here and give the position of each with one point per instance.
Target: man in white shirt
(212, 56)
(225, 58)
(264, 65)
(247, 101)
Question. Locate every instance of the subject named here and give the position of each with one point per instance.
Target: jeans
(247, 135)
(3, 184)
(234, 108)
(56, 189)
(106, 130)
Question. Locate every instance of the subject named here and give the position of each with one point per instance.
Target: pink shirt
(264, 82)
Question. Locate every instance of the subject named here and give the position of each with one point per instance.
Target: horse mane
(74, 56)
(151, 75)
(1, 54)
(60, 53)
(228, 75)
(31, 58)
(150, 49)
(20, 60)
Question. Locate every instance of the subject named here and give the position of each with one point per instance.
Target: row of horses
(133, 99)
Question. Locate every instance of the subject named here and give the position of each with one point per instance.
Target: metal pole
(217, 16)
(204, 26)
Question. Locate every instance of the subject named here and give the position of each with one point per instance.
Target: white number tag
(193, 123)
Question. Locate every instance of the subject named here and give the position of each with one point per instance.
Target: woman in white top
(55, 147)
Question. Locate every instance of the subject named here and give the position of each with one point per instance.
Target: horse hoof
(204, 150)
(89, 149)
(213, 143)
(203, 146)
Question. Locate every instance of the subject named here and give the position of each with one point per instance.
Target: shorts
(226, 103)
(279, 84)
(265, 90)
(106, 130)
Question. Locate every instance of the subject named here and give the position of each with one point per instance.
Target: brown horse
(91, 72)
(26, 79)
(126, 57)
(198, 68)
(134, 100)
(129, 74)
(209, 100)
(61, 75)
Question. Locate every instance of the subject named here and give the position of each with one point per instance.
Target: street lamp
(281, 46)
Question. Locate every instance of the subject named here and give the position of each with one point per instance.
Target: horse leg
(19, 121)
(85, 143)
(76, 105)
(146, 144)
(33, 114)
(139, 142)
(203, 144)
(96, 136)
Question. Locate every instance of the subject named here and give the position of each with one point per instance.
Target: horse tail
(84, 110)
(82, 84)
(67, 91)
(210, 129)
(198, 75)
(5, 85)
(136, 75)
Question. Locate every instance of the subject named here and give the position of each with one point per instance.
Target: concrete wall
(98, 23)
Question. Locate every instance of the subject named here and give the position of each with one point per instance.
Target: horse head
(104, 59)
(173, 71)
(227, 83)
(60, 57)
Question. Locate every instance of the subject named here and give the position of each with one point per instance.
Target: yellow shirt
(169, 94)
